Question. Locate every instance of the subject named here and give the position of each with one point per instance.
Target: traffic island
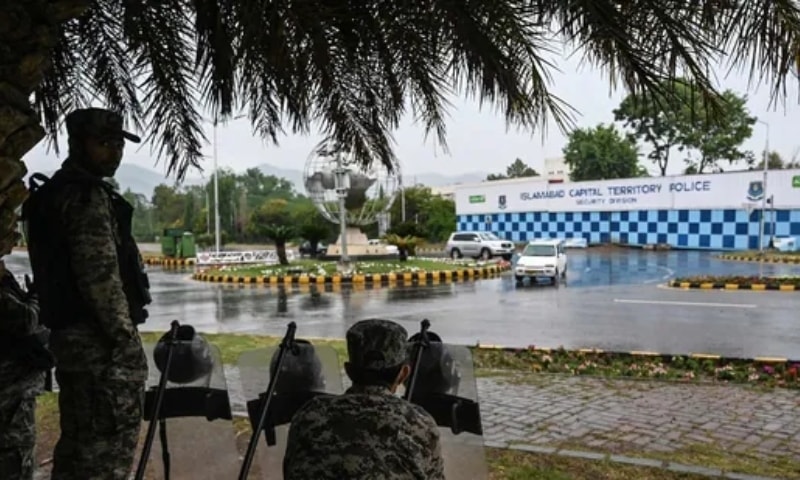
(374, 273)
(768, 257)
(781, 284)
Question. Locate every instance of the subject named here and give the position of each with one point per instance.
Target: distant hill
(138, 179)
(144, 180)
(429, 179)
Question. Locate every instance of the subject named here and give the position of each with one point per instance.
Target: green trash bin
(169, 242)
(188, 247)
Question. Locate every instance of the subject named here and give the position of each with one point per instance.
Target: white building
(555, 168)
(445, 191)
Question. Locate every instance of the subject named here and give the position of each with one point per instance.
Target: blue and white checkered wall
(693, 229)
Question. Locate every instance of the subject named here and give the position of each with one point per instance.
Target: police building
(713, 211)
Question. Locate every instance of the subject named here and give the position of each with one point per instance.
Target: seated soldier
(367, 433)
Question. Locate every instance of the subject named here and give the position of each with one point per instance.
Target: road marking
(686, 304)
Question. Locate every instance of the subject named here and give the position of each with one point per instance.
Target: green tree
(349, 71)
(601, 153)
(517, 169)
(311, 225)
(170, 207)
(142, 223)
(684, 119)
(713, 139)
(273, 221)
(653, 121)
(440, 218)
(774, 162)
(428, 216)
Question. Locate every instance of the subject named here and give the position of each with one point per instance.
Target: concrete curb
(626, 460)
(385, 279)
(170, 262)
(734, 286)
(792, 259)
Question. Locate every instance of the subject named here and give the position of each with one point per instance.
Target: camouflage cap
(375, 344)
(97, 122)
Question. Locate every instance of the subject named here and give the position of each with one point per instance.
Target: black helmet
(437, 372)
(301, 370)
(191, 358)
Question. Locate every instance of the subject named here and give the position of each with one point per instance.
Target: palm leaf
(351, 70)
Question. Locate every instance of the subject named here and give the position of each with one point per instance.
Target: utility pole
(764, 190)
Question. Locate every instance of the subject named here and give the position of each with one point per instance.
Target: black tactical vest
(60, 301)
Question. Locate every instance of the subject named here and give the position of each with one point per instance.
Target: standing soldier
(23, 361)
(92, 292)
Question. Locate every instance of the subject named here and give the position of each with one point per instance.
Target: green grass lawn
(496, 362)
(316, 267)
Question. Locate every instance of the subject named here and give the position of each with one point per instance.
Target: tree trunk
(280, 248)
(28, 32)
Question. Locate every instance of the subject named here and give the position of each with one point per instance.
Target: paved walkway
(639, 417)
(631, 418)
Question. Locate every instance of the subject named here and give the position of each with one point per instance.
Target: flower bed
(772, 373)
(322, 268)
(740, 281)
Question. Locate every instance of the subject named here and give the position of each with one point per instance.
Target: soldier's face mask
(104, 154)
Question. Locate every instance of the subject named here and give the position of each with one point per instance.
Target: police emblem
(501, 202)
(755, 191)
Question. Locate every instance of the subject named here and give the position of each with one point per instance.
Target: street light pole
(342, 186)
(216, 191)
(216, 186)
(765, 162)
(402, 201)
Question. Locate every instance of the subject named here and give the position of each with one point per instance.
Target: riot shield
(444, 385)
(307, 371)
(196, 437)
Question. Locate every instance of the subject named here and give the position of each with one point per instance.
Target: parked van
(542, 258)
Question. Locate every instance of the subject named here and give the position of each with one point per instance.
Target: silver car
(478, 245)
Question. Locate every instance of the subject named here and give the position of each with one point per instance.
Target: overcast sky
(478, 140)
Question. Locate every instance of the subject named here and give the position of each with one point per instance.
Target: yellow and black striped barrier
(170, 262)
(378, 279)
(792, 259)
(316, 288)
(735, 286)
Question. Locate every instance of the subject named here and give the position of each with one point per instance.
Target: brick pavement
(628, 416)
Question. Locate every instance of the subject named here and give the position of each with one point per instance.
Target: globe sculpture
(350, 195)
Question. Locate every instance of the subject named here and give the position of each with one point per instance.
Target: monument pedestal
(357, 245)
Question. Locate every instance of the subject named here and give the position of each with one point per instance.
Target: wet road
(613, 301)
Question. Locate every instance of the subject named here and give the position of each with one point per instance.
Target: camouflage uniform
(368, 432)
(101, 364)
(23, 360)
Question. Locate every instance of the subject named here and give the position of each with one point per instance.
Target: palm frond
(352, 69)
(158, 35)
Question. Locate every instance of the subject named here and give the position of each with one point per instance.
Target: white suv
(478, 245)
(542, 258)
